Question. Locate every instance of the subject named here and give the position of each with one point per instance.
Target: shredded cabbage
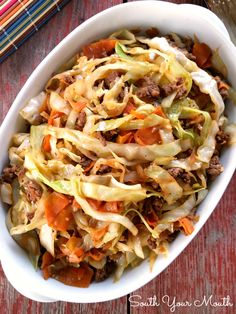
(168, 218)
(131, 151)
(118, 155)
(31, 112)
(171, 190)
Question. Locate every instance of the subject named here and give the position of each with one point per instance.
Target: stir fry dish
(120, 148)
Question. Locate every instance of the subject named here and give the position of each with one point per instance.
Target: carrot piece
(203, 54)
(98, 234)
(76, 205)
(187, 225)
(147, 136)
(57, 213)
(138, 115)
(63, 220)
(152, 218)
(100, 48)
(94, 203)
(46, 147)
(47, 260)
(126, 138)
(96, 254)
(78, 106)
(113, 207)
(54, 115)
(73, 276)
(159, 111)
(73, 243)
(129, 107)
(74, 246)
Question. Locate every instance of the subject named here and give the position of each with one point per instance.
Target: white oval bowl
(167, 17)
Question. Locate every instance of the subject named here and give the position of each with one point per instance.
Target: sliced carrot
(126, 138)
(187, 225)
(76, 205)
(98, 234)
(152, 218)
(94, 203)
(46, 147)
(78, 106)
(147, 136)
(73, 243)
(74, 246)
(63, 220)
(138, 115)
(159, 111)
(130, 106)
(73, 276)
(57, 213)
(54, 115)
(47, 260)
(113, 206)
(203, 54)
(100, 48)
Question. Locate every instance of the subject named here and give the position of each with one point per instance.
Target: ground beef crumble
(9, 173)
(105, 272)
(177, 86)
(179, 173)
(81, 121)
(147, 89)
(32, 190)
(151, 243)
(215, 168)
(153, 203)
(104, 169)
(111, 135)
(111, 78)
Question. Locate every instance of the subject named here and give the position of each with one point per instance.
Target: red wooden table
(206, 268)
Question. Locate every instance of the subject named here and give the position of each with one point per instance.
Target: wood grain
(206, 267)
(226, 10)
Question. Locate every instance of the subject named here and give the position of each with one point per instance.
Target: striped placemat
(19, 19)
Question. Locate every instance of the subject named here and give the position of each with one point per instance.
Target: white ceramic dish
(182, 19)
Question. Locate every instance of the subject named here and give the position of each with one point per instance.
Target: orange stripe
(17, 10)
